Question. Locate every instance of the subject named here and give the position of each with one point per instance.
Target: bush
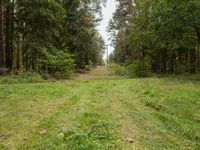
(181, 68)
(117, 69)
(3, 71)
(86, 68)
(139, 68)
(61, 66)
(59, 63)
(89, 67)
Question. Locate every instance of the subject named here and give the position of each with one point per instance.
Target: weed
(100, 136)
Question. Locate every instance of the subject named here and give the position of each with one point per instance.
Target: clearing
(95, 111)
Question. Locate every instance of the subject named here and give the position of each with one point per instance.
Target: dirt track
(100, 71)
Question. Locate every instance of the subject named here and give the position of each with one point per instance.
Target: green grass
(105, 113)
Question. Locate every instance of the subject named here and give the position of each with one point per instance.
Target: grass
(102, 113)
(28, 77)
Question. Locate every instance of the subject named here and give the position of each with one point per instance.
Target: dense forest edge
(161, 36)
(50, 37)
(55, 38)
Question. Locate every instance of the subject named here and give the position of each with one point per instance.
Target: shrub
(90, 66)
(60, 66)
(3, 71)
(139, 68)
(59, 63)
(181, 68)
(117, 69)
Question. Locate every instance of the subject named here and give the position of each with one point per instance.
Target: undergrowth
(28, 77)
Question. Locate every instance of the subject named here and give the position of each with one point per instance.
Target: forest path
(98, 72)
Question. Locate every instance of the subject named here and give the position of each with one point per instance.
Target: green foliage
(83, 40)
(25, 77)
(60, 65)
(181, 68)
(167, 32)
(90, 66)
(139, 68)
(50, 36)
(116, 69)
(100, 136)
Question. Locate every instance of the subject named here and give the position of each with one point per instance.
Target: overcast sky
(107, 15)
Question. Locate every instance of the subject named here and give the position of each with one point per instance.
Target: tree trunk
(172, 62)
(12, 34)
(198, 55)
(164, 61)
(7, 38)
(9, 35)
(27, 60)
(193, 60)
(1, 35)
(18, 52)
(198, 47)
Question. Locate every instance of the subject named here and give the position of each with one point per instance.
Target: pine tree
(1, 35)
(163, 33)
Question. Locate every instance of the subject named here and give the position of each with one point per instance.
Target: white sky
(107, 15)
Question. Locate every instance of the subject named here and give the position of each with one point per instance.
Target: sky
(107, 15)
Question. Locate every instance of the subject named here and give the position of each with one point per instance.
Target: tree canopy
(49, 36)
(163, 33)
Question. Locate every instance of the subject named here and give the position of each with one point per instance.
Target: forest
(49, 36)
(99, 74)
(162, 36)
(59, 37)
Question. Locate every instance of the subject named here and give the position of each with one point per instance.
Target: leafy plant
(139, 68)
(24, 77)
(101, 135)
(116, 69)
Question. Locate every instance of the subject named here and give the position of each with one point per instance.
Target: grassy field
(102, 113)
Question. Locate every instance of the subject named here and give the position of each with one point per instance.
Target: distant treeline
(164, 34)
(49, 36)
